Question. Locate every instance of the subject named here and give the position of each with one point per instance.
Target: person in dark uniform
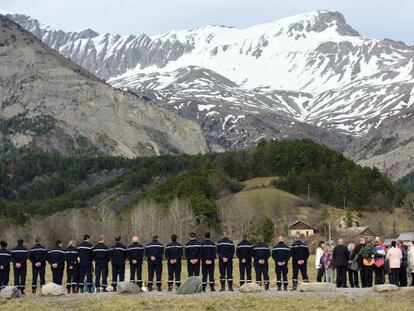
(19, 256)
(300, 254)
(193, 255)
(174, 254)
(101, 257)
(118, 258)
(5, 258)
(56, 259)
(244, 251)
(85, 264)
(72, 268)
(135, 255)
(154, 252)
(38, 257)
(281, 256)
(225, 252)
(208, 255)
(261, 254)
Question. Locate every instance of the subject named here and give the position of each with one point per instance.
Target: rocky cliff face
(390, 147)
(48, 101)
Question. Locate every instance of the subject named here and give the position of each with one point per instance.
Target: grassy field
(401, 301)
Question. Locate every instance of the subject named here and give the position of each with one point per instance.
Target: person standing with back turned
(5, 258)
(281, 256)
(19, 256)
(244, 251)
(101, 257)
(72, 268)
(154, 252)
(208, 256)
(394, 256)
(135, 256)
(300, 254)
(193, 255)
(340, 258)
(56, 259)
(261, 254)
(85, 254)
(38, 257)
(118, 257)
(319, 252)
(174, 254)
(225, 252)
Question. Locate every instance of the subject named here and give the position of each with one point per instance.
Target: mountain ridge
(52, 103)
(307, 76)
(317, 53)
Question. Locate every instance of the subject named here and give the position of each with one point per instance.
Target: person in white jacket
(394, 256)
(411, 261)
(318, 266)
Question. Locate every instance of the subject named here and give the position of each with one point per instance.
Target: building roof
(301, 225)
(354, 231)
(406, 236)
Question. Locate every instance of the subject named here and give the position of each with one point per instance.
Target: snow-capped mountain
(312, 68)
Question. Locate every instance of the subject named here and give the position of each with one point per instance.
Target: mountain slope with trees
(35, 183)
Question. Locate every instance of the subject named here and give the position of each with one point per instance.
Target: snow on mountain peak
(313, 67)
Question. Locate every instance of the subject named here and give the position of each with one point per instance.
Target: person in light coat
(319, 252)
(394, 256)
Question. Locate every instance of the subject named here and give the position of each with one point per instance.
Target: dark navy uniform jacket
(244, 250)
(155, 249)
(118, 254)
(135, 252)
(281, 252)
(208, 250)
(57, 255)
(20, 254)
(174, 250)
(299, 251)
(101, 253)
(71, 256)
(225, 248)
(38, 253)
(261, 252)
(85, 254)
(192, 250)
(5, 258)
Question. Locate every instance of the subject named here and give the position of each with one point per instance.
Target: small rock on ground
(191, 286)
(10, 292)
(385, 288)
(128, 288)
(250, 288)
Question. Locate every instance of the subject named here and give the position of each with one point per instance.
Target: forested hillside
(407, 182)
(34, 183)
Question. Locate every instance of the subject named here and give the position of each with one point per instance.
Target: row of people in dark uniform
(79, 260)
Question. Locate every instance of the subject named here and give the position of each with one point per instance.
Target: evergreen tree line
(36, 183)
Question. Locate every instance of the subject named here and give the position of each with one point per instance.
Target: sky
(373, 18)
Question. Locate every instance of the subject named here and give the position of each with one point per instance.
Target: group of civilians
(365, 264)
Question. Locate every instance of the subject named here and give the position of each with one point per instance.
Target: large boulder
(191, 286)
(317, 287)
(52, 289)
(250, 288)
(127, 287)
(10, 292)
(385, 288)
